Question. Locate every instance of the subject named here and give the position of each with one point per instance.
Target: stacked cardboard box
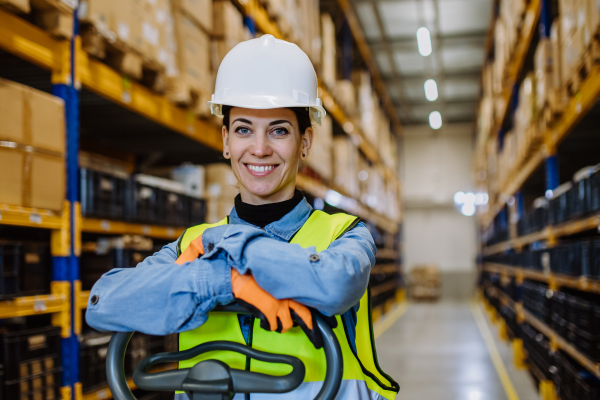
(229, 30)
(221, 189)
(571, 35)
(328, 56)
(320, 156)
(425, 282)
(32, 147)
(543, 66)
(525, 129)
(345, 94)
(345, 163)
(310, 32)
(190, 36)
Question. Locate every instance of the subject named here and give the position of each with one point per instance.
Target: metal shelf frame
(71, 69)
(550, 233)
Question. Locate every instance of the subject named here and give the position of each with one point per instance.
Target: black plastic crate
(36, 269)
(175, 208)
(538, 350)
(29, 351)
(580, 198)
(94, 265)
(197, 212)
(566, 259)
(139, 347)
(43, 386)
(102, 195)
(573, 381)
(93, 360)
(144, 202)
(10, 261)
(594, 192)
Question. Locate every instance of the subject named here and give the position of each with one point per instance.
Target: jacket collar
(287, 226)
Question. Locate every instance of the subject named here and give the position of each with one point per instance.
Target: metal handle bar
(212, 375)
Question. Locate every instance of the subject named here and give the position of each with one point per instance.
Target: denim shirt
(160, 297)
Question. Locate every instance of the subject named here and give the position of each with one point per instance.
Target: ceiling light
(431, 92)
(435, 120)
(424, 41)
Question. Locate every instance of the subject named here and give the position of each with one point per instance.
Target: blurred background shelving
(128, 116)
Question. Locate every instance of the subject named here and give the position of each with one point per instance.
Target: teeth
(257, 168)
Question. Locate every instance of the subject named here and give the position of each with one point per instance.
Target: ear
(306, 143)
(225, 134)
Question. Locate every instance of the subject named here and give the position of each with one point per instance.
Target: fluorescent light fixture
(431, 92)
(459, 197)
(334, 198)
(469, 198)
(468, 209)
(424, 41)
(435, 120)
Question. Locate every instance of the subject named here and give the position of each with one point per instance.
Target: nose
(261, 146)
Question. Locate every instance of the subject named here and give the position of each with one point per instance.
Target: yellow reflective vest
(362, 378)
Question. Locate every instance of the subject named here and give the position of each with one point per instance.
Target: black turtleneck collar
(262, 215)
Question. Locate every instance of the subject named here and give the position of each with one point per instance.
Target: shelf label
(105, 225)
(103, 394)
(170, 232)
(146, 230)
(35, 218)
(39, 306)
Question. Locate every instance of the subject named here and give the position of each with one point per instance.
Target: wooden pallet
(104, 45)
(53, 16)
(590, 58)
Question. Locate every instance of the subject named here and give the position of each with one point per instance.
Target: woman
(273, 253)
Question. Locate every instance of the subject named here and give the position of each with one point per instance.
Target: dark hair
(302, 114)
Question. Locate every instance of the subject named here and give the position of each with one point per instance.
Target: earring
(303, 155)
(227, 154)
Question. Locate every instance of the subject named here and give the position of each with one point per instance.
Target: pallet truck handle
(213, 379)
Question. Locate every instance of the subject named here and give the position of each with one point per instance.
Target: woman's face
(265, 147)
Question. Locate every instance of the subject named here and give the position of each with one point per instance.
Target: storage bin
(36, 269)
(42, 386)
(144, 202)
(566, 259)
(558, 204)
(94, 265)
(573, 381)
(175, 208)
(93, 360)
(594, 192)
(30, 352)
(140, 346)
(10, 262)
(197, 212)
(102, 195)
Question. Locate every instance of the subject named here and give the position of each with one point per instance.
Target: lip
(263, 173)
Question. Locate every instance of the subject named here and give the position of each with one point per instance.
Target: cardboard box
(18, 6)
(328, 57)
(228, 22)
(31, 117)
(57, 22)
(192, 177)
(320, 157)
(555, 39)
(218, 208)
(29, 178)
(192, 59)
(220, 182)
(345, 162)
(200, 11)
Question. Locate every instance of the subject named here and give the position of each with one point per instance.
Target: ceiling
(458, 29)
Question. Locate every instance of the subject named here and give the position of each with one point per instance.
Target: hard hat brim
(317, 112)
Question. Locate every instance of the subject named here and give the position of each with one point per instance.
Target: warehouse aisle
(436, 351)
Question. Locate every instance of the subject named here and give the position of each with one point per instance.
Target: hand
(194, 250)
(275, 315)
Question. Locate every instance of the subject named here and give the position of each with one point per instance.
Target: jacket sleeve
(333, 282)
(159, 297)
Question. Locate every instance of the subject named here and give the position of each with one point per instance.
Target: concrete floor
(436, 352)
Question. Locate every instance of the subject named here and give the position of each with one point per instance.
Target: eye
(242, 130)
(280, 131)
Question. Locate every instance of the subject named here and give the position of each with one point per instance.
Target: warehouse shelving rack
(71, 70)
(556, 341)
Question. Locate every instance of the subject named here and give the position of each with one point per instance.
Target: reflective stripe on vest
(320, 230)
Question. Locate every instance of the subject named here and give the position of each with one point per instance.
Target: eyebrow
(242, 120)
(280, 121)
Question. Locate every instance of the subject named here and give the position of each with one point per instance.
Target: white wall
(437, 164)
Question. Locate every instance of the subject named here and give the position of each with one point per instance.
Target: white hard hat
(267, 73)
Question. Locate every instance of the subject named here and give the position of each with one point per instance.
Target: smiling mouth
(261, 170)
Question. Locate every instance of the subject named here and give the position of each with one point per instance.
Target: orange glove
(275, 315)
(193, 251)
